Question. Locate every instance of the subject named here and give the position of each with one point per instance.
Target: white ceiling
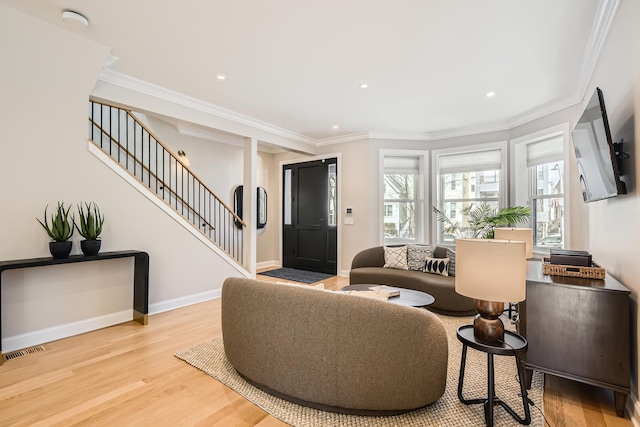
(297, 64)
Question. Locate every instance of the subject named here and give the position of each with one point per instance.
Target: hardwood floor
(127, 375)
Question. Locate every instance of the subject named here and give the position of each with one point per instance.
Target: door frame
(340, 212)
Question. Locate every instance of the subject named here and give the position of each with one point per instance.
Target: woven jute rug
(448, 411)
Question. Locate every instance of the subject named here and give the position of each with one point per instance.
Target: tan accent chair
(331, 351)
(367, 268)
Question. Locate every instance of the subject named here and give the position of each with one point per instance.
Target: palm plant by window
(479, 221)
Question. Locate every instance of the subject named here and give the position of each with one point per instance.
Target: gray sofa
(333, 351)
(367, 267)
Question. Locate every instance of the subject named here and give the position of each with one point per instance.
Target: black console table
(577, 329)
(140, 277)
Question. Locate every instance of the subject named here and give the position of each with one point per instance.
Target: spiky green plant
(61, 228)
(91, 221)
(481, 220)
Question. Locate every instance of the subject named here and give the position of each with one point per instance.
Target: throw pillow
(417, 256)
(395, 257)
(451, 254)
(437, 266)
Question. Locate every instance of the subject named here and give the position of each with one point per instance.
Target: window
(333, 199)
(465, 178)
(546, 194)
(539, 184)
(402, 196)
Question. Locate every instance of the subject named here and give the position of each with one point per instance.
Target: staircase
(129, 143)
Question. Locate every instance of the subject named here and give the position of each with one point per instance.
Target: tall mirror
(261, 206)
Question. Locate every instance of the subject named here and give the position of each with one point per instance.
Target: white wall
(45, 81)
(612, 225)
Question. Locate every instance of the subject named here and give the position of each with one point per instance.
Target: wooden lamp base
(487, 325)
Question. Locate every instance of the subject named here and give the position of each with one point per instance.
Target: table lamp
(521, 234)
(491, 272)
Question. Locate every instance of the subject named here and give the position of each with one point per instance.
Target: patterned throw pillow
(437, 266)
(395, 257)
(417, 256)
(451, 254)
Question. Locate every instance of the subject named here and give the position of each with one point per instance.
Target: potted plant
(480, 221)
(60, 231)
(91, 221)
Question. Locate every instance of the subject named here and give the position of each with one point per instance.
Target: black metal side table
(513, 345)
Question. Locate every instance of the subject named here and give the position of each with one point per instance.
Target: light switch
(348, 221)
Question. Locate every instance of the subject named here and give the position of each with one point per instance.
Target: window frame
(421, 195)
(437, 182)
(521, 183)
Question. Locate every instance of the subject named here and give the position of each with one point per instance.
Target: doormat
(295, 275)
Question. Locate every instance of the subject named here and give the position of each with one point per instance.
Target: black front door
(310, 216)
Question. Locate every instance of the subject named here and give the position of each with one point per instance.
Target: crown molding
(209, 135)
(137, 85)
(222, 138)
(342, 138)
(602, 22)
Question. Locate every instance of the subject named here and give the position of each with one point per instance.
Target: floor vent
(23, 352)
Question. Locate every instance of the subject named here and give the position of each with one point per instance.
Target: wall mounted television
(599, 158)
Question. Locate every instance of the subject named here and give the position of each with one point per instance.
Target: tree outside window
(400, 200)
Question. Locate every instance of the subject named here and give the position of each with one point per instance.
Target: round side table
(513, 345)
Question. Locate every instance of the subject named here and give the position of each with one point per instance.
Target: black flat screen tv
(598, 167)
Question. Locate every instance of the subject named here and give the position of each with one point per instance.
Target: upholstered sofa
(367, 267)
(333, 351)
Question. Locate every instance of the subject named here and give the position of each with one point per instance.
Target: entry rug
(295, 275)
(448, 411)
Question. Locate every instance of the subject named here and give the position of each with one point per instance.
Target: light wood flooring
(126, 375)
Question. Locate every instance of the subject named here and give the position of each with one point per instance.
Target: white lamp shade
(491, 270)
(520, 234)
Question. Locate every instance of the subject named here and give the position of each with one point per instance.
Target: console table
(140, 277)
(577, 329)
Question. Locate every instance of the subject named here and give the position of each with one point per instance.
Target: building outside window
(547, 203)
(465, 178)
(539, 184)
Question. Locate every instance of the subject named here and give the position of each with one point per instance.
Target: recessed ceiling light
(221, 77)
(78, 20)
(335, 127)
(363, 86)
(491, 94)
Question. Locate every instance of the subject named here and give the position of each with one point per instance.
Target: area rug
(295, 275)
(448, 411)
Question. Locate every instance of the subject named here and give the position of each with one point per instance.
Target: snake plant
(61, 227)
(91, 221)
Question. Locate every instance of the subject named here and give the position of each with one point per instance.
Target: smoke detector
(75, 19)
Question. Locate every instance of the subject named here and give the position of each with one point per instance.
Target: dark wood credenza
(577, 329)
(140, 277)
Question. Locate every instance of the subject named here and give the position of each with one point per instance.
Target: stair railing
(136, 149)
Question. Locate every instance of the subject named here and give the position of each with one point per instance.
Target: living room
(47, 79)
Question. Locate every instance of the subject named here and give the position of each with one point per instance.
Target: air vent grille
(23, 352)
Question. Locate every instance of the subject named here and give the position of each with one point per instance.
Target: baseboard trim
(267, 264)
(633, 409)
(161, 307)
(67, 330)
(55, 333)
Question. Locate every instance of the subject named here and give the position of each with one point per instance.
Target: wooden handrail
(158, 141)
(237, 218)
(154, 176)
